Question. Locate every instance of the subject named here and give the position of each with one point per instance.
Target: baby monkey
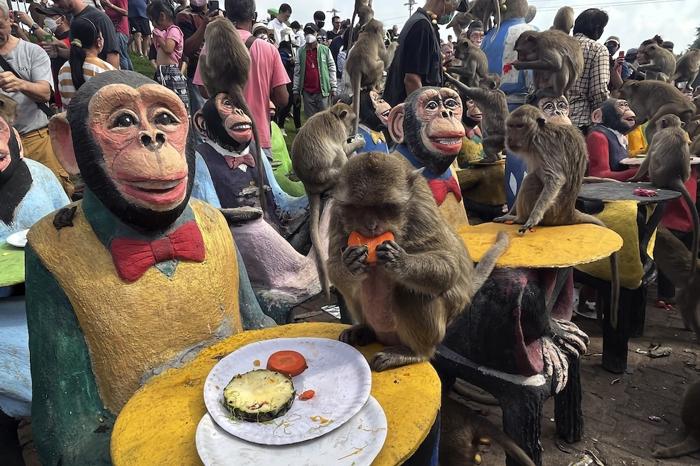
(406, 296)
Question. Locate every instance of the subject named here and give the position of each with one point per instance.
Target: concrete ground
(626, 416)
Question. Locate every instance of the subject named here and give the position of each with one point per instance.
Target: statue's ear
(396, 118)
(597, 116)
(62, 142)
(199, 124)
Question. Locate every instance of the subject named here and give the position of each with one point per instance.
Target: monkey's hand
(355, 259)
(528, 226)
(505, 219)
(354, 143)
(358, 335)
(390, 255)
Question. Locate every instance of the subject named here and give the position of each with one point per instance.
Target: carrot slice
(307, 395)
(356, 239)
(289, 363)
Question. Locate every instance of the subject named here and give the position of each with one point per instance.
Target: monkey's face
(236, 123)
(439, 114)
(526, 46)
(473, 111)
(555, 109)
(381, 107)
(521, 127)
(372, 220)
(343, 112)
(142, 134)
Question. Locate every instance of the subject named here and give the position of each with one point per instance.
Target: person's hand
(24, 18)
(11, 83)
(296, 99)
(50, 50)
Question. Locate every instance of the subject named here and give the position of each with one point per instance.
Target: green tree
(696, 44)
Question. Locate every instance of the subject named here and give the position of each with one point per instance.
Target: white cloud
(632, 21)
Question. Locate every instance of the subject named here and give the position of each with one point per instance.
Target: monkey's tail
(356, 89)
(686, 447)
(580, 217)
(488, 261)
(696, 227)
(314, 218)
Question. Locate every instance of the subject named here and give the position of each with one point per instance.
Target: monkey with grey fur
(225, 69)
(650, 100)
(473, 65)
(422, 279)
(691, 420)
(492, 101)
(366, 62)
(687, 68)
(363, 9)
(657, 62)
(564, 20)
(319, 151)
(674, 260)
(556, 158)
(668, 165)
(8, 109)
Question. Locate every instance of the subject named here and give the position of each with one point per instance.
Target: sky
(631, 20)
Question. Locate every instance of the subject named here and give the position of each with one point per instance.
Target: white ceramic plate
(357, 442)
(337, 372)
(18, 239)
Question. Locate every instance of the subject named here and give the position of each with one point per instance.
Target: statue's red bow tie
(440, 188)
(133, 257)
(234, 162)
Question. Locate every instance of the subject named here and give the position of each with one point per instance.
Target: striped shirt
(92, 66)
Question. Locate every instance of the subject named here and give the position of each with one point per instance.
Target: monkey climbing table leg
(567, 406)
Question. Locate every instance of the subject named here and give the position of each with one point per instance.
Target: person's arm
(111, 6)
(109, 36)
(296, 85)
(194, 38)
(40, 82)
(332, 71)
(599, 159)
(168, 45)
(600, 77)
(411, 82)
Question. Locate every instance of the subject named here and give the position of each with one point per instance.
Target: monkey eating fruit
(421, 280)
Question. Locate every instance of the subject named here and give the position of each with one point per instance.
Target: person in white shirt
(279, 23)
(298, 38)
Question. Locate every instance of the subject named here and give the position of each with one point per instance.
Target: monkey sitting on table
(668, 165)
(428, 131)
(405, 291)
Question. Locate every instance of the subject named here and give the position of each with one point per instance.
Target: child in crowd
(83, 63)
(168, 41)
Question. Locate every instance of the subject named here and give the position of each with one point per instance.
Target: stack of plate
(341, 425)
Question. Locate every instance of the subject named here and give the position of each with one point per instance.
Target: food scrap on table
(290, 363)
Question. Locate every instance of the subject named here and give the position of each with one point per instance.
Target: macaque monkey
(668, 165)
(691, 420)
(657, 62)
(417, 282)
(555, 109)
(366, 62)
(363, 9)
(687, 68)
(492, 101)
(650, 100)
(564, 20)
(320, 149)
(555, 57)
(556, 158)
(8, 109)
(473, 65)
(674, 260)
(225, 68)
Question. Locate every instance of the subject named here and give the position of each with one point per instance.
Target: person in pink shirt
(169, 42)
(118, 12)
(267, 79)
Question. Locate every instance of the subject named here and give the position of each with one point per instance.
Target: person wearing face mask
(320, 21)
(315, 76)
(418, 61)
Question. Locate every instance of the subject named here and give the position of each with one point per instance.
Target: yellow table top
(157, 426)
(545, 247)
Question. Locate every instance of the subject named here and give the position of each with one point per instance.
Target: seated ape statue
(28, 190)
(374, 118)
(481, 184)
(275, 268)
(428, 131)
(133, 279)
(607, 140)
